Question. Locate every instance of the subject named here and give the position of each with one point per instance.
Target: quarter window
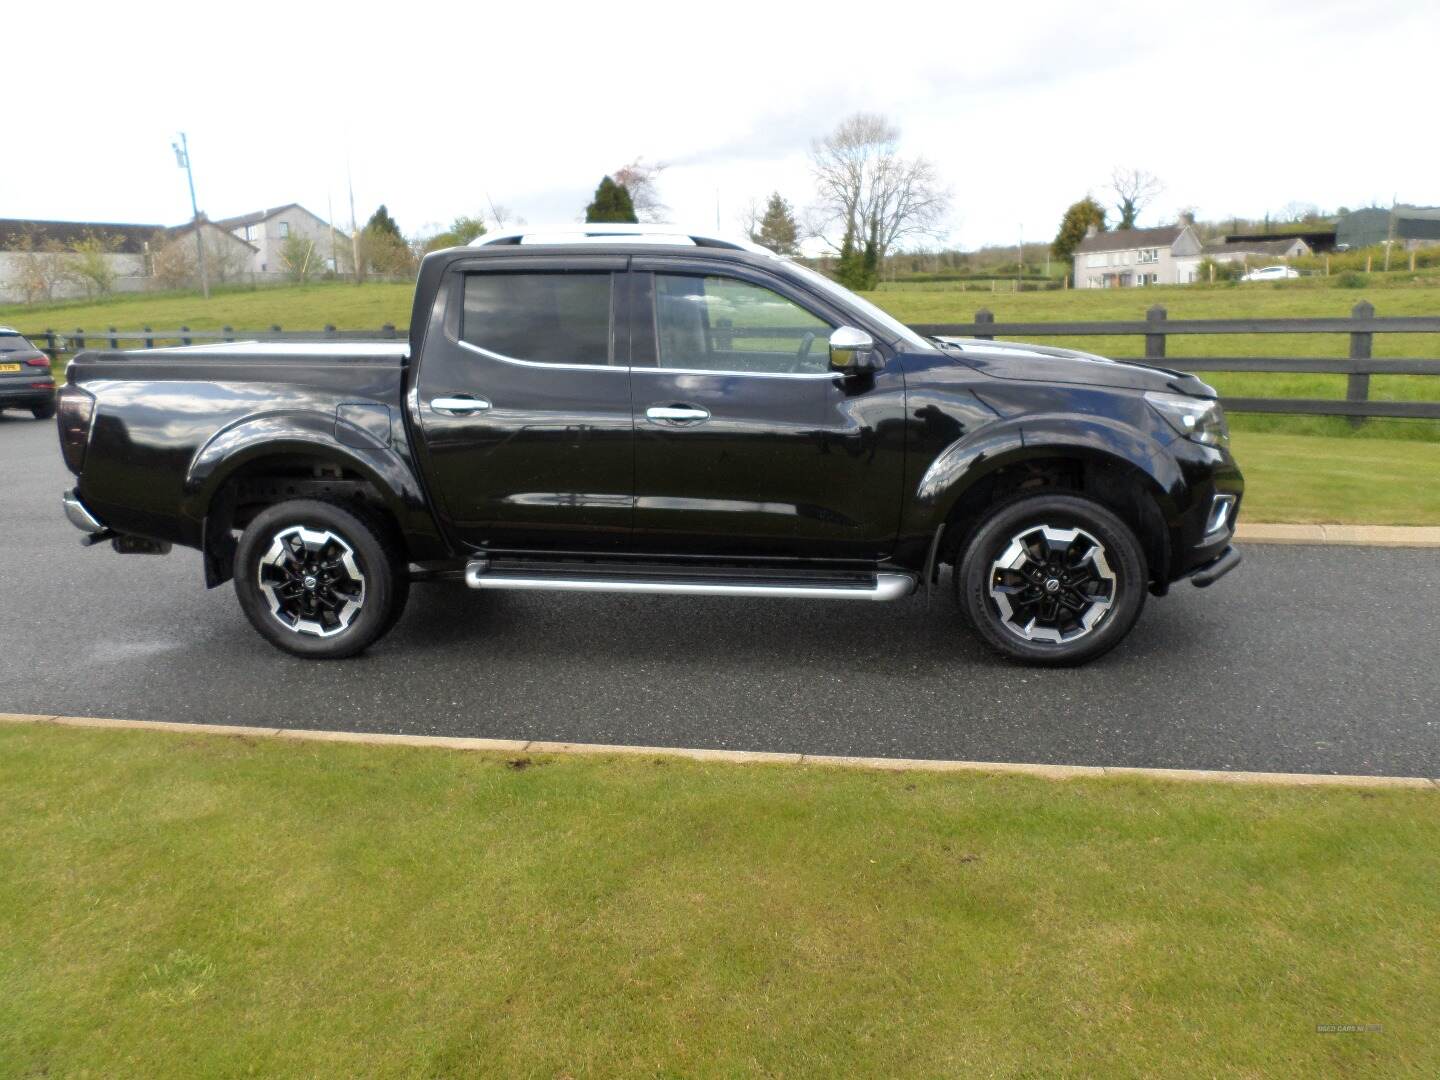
(723, 324)
(549, 318)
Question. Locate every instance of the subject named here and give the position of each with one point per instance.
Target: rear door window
(545, 318)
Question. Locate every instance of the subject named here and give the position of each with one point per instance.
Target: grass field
(175, 905)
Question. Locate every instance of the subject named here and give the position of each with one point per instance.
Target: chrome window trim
(742, 374)
(488, 354)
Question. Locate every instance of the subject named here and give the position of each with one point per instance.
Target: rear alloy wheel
(1052, 579)
(317, 580)
(44, 412)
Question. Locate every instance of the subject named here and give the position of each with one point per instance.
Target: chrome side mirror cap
(852, 352)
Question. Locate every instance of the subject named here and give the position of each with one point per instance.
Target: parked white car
(1271, 273)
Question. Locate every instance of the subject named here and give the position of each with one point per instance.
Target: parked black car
(25, 379)
(639, 410)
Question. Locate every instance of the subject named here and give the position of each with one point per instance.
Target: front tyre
(1052, 579)
(318, 580)
(44, 412)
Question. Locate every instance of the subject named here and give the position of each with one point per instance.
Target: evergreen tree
(778, 230)
(870, 261)
(381, 223)
(849, 271)
(1074, 226)
(611, 203)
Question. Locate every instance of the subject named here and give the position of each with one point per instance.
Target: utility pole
(330, 213)
(182, 159)
(354, 228)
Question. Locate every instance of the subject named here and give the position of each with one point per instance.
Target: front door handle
(677, 413)
(459, 405)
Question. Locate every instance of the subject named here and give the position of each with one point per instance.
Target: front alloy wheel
(1052, 584)
(1052, 578)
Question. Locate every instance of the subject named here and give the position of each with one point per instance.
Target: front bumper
(80, 515)
(1209, 573)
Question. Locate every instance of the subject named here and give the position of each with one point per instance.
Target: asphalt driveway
(1306, 659)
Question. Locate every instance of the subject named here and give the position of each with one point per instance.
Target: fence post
(389, 330)
(50, 342)
(1357, 387)
(985, 315)
(185, 335)
(149, 338)
(229, 332)
(1155, 339)
(79, 339)
(329, 330)
(114, 341)
(274, 328)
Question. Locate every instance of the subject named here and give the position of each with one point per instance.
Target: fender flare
(968, 460)
(303, 433)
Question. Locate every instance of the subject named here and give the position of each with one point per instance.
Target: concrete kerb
(525, 746)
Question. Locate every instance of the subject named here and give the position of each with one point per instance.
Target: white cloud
(1239, 107)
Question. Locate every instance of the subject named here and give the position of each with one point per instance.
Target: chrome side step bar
(880, 586)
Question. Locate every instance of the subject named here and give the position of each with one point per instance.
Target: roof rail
(619, 233)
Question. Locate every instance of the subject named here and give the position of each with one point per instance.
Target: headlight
(1200, 419)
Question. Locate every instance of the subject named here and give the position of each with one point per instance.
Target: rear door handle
(676, 413)
(459, 405)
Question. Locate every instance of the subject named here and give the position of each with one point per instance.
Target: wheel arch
(299, 455)
(1120, 467)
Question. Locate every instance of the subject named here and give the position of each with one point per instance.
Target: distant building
(1408, 226)
(1132, 257)
(1241, 250)
(267, 231)
(129, 251)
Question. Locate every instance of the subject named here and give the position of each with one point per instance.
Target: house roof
(1230, 245)
(1127, 239)
(254, 218)
(16, 234)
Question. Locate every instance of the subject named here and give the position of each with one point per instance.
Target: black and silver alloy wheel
(311, 581)
(1052, 584)
(1052, 578)
(320, 579)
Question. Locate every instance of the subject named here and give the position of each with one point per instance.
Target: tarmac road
(1305, 659)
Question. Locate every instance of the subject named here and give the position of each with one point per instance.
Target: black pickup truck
(631, 409)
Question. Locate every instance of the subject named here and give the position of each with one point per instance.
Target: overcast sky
(1240, 108)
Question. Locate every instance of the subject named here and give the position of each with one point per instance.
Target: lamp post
(182, 159)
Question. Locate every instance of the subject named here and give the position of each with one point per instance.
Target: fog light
(1220, 510)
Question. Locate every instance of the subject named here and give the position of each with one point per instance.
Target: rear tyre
(1052, 579)
(319, 580)
(44, 412)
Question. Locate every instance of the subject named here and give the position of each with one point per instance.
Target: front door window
(718, 324)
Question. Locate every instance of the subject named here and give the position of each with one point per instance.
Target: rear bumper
(80, 515)
(25, 396)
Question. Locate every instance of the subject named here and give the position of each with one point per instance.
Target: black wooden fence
(1361, 327)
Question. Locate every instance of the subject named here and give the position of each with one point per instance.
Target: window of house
(723, 324)
(1095, 260)
(284, 229)
(249, 232)
(1149, 255)
(548, 318)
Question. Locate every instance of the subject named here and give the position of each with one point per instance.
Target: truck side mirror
(852, 352)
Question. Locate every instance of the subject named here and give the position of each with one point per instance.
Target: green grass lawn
(178, 905)
(1300, 478)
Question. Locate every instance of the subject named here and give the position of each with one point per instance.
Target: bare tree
(641, 181)
(867, 189)
(36, 270)
(1134, 190)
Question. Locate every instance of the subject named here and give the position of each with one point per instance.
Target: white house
(267, 231)
(38, 259)
(1126, 257)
